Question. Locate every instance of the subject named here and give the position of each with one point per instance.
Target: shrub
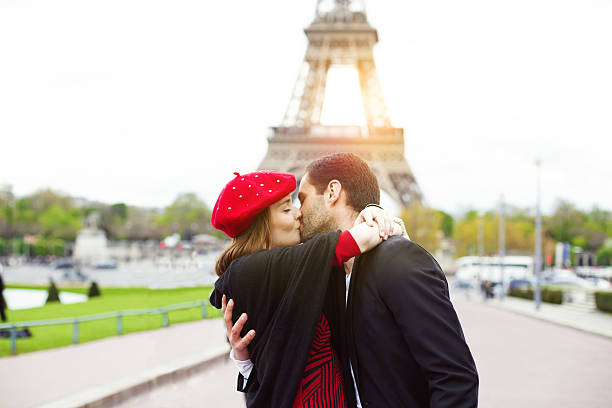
(604, 256)
(53, 293)
(549, 295)
(94, 290)
(552, 296)
(48, 247)
(603, 301)
(521, 293)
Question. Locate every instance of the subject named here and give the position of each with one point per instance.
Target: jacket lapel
(350, 321)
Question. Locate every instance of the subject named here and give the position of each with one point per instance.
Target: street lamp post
(502, 244)
(481, 251)
(538, 241)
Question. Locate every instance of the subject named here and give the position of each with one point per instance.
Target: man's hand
(239, 344)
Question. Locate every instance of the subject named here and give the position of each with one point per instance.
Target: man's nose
(298, 214)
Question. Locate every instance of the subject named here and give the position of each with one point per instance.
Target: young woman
(287, 289)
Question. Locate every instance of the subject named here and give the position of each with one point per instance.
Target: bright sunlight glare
(343, 104)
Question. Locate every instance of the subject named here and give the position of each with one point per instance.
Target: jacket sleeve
(247, 384)
(416, 292)
(269, 272)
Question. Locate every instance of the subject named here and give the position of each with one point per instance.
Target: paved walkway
(522, 362)
(43, 377)
(212, 388)
(527, 362)
(592, 321)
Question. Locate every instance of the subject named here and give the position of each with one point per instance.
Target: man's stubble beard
(317, 220)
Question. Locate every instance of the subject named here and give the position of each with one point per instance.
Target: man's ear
(332, 192)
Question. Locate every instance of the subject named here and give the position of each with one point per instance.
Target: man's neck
(346, 219)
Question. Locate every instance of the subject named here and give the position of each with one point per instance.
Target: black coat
(283, 291)
(404, 338)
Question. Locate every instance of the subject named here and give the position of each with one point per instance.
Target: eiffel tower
(341, 35)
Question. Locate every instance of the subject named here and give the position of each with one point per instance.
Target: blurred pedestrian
(488, 289)
(2, 301)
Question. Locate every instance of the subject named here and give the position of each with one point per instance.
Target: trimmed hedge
(521, 293)
(94, 290)
(53, 295)
(603, 301)
(549, 295)
(552, 296)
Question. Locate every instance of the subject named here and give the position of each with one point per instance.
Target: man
(403, 344)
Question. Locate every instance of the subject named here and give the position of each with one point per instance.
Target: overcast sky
(140, 100)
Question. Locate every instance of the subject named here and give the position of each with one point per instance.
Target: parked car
(463, 284)
(63, 264)
(105, 265)
(519, 284)
(600, 283)
(572, 281)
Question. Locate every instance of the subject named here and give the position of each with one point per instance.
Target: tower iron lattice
(341, 35)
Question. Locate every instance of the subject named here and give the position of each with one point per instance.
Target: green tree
(519, 233)
(579, 241)
(562, 225)
(600, 220)
(60, 222)
(187, 215)
(446, 224)
(7, 199)
(119, 210)
(114, 219)
(423, 226)
(604, 256)
(44, 199)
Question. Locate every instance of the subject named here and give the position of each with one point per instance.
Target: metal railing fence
(102, 316)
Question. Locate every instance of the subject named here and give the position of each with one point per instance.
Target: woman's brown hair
(254, 238)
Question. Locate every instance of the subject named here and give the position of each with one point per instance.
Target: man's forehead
(304, 184)
(306, 188)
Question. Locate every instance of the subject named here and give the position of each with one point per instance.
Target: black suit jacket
(404, 339)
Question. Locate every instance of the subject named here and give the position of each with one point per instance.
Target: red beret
(248, 195)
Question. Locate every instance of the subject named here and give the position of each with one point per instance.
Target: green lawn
(112, 299)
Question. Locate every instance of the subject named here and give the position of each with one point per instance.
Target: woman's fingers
(368, 218)
(241, 351)
(237, 328)
(245, 341)
(239, 344)
(360, 218)
(227, 317)
(382, 226)
(227, 313)
(389, 226)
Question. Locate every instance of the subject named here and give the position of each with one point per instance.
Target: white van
(475, 268)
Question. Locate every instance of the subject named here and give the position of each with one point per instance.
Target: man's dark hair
(352, 172)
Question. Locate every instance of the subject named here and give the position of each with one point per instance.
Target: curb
(109, 395)
(559, 322)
